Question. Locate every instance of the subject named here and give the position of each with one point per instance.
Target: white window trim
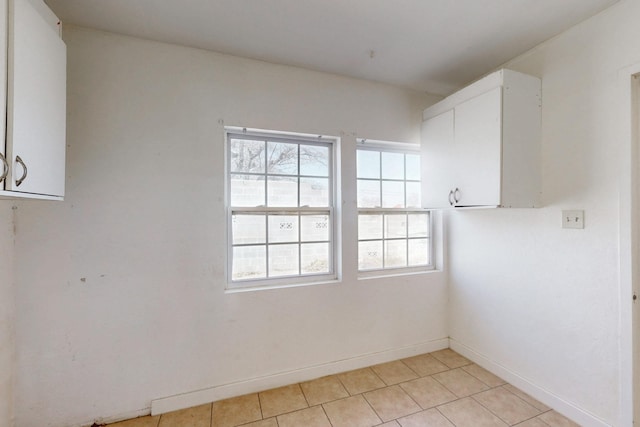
(333, 211)
(398, 147)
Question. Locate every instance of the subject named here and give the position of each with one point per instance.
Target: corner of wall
(558, 403)
(7, 311)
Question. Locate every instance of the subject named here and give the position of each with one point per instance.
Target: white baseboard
(561, 405)
(114, 419)
(212, 394)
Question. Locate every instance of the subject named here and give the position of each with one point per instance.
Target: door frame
(629, 240)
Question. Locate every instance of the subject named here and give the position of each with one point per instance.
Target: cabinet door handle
(451, 202)
(5, 168)
(456, 194)
(24, 171)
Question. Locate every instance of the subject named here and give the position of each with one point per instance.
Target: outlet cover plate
(573, 219)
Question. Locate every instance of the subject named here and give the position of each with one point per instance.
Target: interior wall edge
(7, 315)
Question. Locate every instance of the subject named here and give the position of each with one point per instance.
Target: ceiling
(435, 46)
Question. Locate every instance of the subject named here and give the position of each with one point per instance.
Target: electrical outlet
(573, 219)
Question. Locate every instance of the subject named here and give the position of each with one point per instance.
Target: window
(393, 229)
(281, 208)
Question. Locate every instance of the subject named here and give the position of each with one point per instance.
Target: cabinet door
(478, 147)
(437, 152)
(36, 104)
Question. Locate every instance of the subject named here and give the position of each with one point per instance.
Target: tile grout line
(446, 388)
(458, 398)
(442, 413)
(305, 395)
(480, 379)
(402, 361)
(399, 385)
(325, 413)
(544, 420)
(540, 412)
(490, 411)
(260, 406)
(533, 406)
(342, 384)
(373, 389)
(472, 396)
(410, 397)
(379, 377)
(372, 408)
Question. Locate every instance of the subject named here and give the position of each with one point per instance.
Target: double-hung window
(393, 229)
(281, 198)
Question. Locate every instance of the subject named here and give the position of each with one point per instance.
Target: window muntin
(393, 230)
(281, 208)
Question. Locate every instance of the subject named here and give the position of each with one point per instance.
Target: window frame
(402, 148)
(300, 279)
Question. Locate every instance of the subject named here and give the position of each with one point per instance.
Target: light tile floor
(440, 389)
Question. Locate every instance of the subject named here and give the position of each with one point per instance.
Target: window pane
(368, 194)
(314, 160)
(392, 194)
(314, 228)
(314, 192)
(282, 191)
(413, 195)
(419, 225)
(283, 260)
(249, 262)
(413, 167)
(249, 229)
(315, 258)
(368, 164)
(369, 227)
(392, 165)
(418, 252)
(247, 156)
(395, 226)
(386, 237)
(247, 190)
(282, 158)
(395, 253)
(283, 228)
(370, 255)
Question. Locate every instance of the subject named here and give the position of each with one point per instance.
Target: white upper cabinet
(477, 157)
(481, 145)
(437, 138)
(36, 102)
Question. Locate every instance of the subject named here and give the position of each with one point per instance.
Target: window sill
(384, 274)
(242, 289)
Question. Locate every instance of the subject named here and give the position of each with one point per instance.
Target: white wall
(538, 300)
(122, 296)
(6, 313)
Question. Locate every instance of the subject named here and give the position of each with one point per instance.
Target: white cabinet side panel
(36, 101)
(521, 142)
